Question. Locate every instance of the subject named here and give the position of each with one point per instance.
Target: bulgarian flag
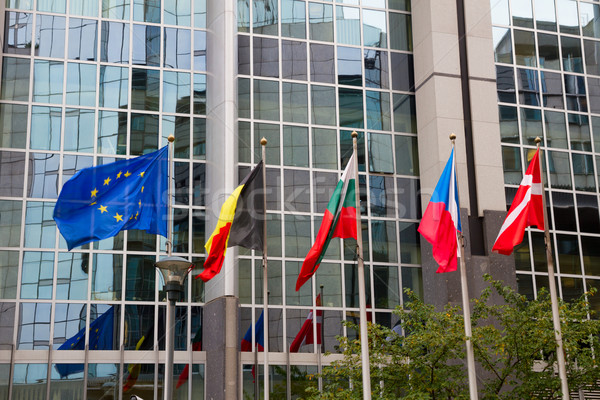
(240, 223)
(339, 221)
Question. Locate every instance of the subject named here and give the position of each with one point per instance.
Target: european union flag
(98, 202)
(101, 338)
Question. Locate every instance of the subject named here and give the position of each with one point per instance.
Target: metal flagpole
(465, 293)
(263, 143)
(362, 301)
(560, 355)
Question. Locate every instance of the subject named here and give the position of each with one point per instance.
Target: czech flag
(441, 220)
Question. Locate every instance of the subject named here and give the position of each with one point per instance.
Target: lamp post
(174, 270)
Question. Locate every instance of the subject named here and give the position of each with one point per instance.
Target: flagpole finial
(263, 142)
(171, 138)
(538, 140)
(452, 137)
(354, 134)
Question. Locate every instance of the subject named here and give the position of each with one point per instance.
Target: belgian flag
(240, 223)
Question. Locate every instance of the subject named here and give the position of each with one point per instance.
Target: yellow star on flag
(94, 192)
(142, 173)
(119, 174)
(102, 209)
(136, 215)
(93, 204)
(142, 189)
(106, 181)
(118, 217)
(140, 203)
(127, 174)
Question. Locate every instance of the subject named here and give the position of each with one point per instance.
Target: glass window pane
(522, 13)
(43, 172)
(200, 16)
(146, 11)
(114, 87)
(144, 134)
(545, 17)
(575, 93)
(407, 155)
(531, 125)
(583, 172)
(405, 115)
(376, 69)
(140, 281)
(103, 380)
(37, 273)
(115, 9)
(324, 148)
(87, 8)
(295, 146)
(579, 132)
(50, 36)
(266, 57)
(146, 45)
(107, 277)
(199, 51)
(322, 65)
(18, 30)
(114, 42)
(564, 211)
(15, 79)
(525, 48)
(412, 278)
(400, 32)
(293, 60)
(592, 56)
(12, 173)
(10, 224)
(381, 200)
(45, 128)
(380, 153)
(244, 98)
(72, 277)
(200, 94)
(266, 100)
(33, 334)
(502, 45)
(378, 111)
(552, 90)
(297, 235)
(590, 15)
(410, 244)
(596, 130)
(351, 108)
(505, 84)
(176, 92)
(571, 54)
(178, 48)
(78, 135)
(509, 125)
(83, 39)
(9, 264)
(296, 190)
(374, 28)
(529, 89)
(112, 132)
(548, 51)
(409, 201)
(567, 16)
(295, 102)
(329, 278)
(591, 255)
(403, 72)
(81, 84)
(145, 89)
(348, 25)
(560, 171)
(386, 286)
(271, 133)
(351, 280)
(349, 66)
(57, 6)
(180, 128)
(594, 94)
(556, 131)
(321, 21)
(265, 17)
(326, 182)
(323, 105)
(177, 13)
(384, 241)
(48, 81)
(293, 18)
(13, 126)
(20, 4)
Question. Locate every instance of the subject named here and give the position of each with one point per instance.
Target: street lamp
(174, 270)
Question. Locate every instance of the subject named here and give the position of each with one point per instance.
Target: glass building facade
(548, 82)
(88, 82)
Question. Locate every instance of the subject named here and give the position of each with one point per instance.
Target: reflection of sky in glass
(567, 13)
(544, 11)
(374, 28)
(521, 9)
(30, 373)
(499, 9)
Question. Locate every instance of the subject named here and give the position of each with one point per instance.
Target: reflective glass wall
(548, 80)
(311, 72)
(84, 83)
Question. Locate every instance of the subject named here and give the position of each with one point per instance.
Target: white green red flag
(339, 221)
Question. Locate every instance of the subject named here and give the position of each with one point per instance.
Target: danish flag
(305, 335)
(526, 210)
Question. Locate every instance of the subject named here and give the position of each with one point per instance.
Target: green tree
(514, 348)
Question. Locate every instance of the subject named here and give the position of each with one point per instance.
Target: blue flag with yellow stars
(98, 202)
(101, 338)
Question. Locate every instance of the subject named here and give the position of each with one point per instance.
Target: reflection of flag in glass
(97, 203)
(196, 346)
(259, 335)
(101, 338)
(305, 335)
(146, 342)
